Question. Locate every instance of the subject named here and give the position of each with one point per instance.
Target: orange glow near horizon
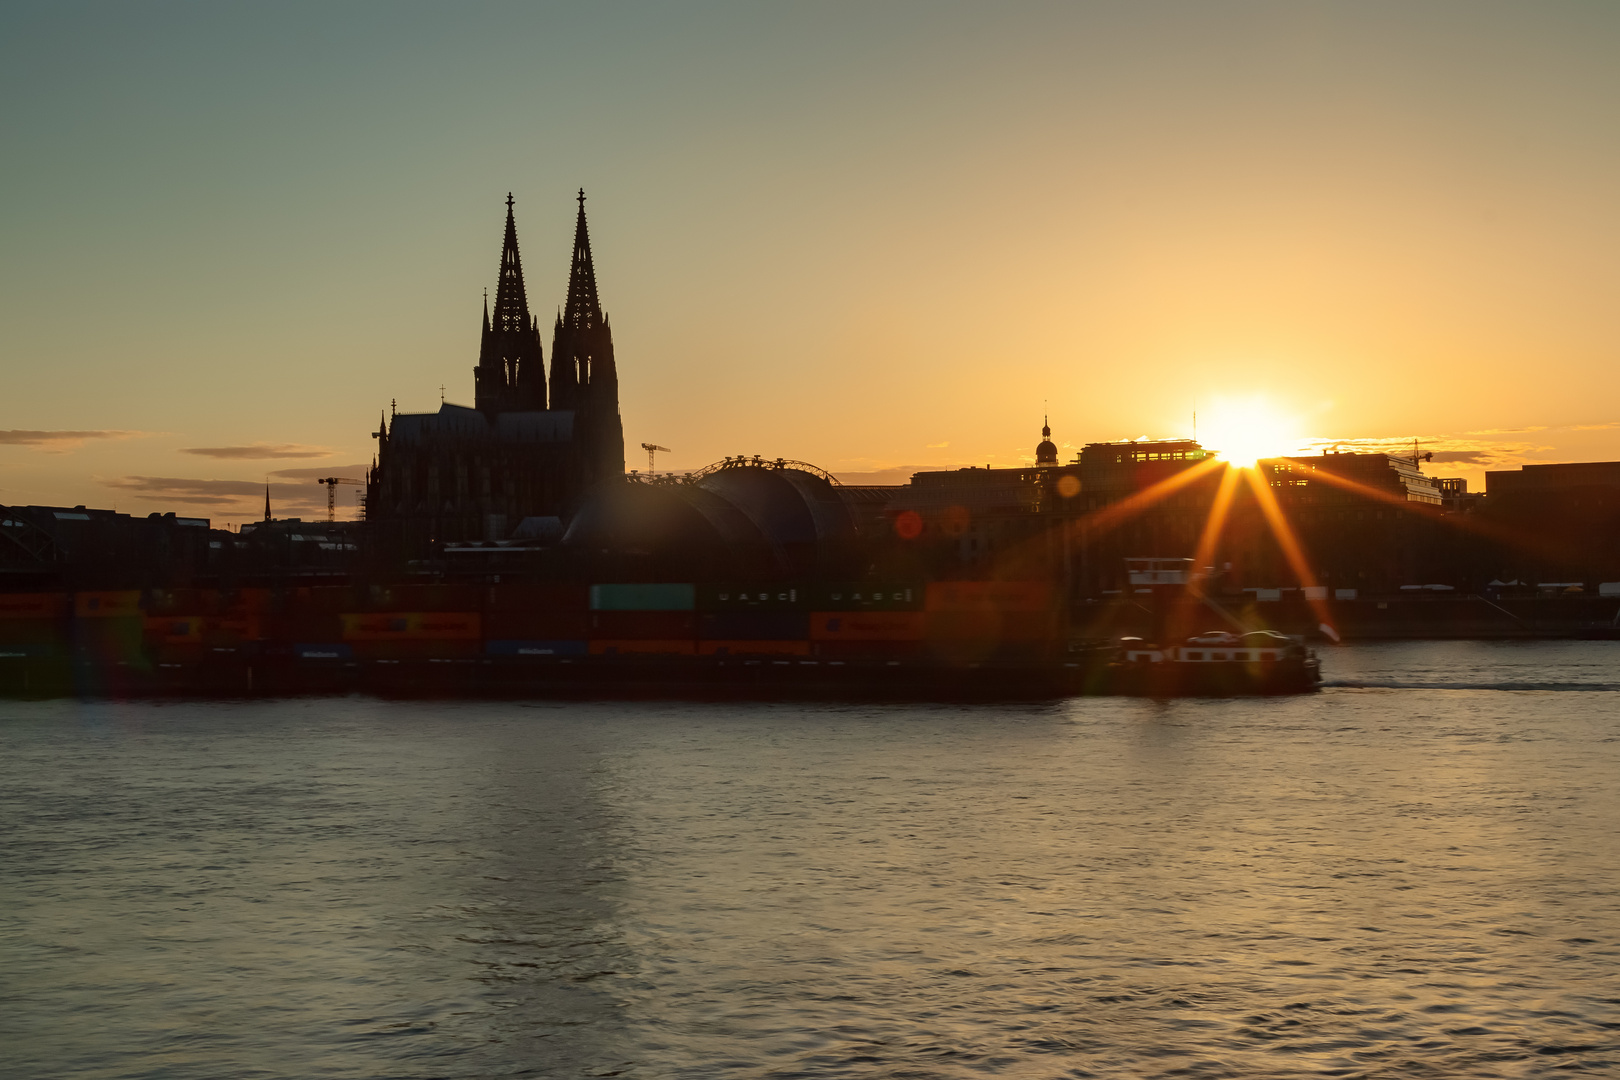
(1246, 430)
(1204, 554)
(1112, 515)
(1292, 549)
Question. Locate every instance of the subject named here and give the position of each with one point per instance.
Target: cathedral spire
(584, 378)
(582, 311)
(511, 303)
(511, 374)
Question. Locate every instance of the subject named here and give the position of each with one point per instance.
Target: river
(1411, 874)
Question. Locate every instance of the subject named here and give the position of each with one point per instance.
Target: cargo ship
(605, 639)
(917, 640)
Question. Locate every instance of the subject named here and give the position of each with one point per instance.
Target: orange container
(413, 626)
(33, 605)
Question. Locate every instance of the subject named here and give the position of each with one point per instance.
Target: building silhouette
(513, 461)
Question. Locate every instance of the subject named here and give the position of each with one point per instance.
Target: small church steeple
(1046, 452)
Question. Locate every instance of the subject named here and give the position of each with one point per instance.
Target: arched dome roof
(783, 514)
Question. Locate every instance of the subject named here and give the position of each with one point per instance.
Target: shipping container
(397, 649)
(307, 627)
(868, 596)
(645, 625)
(753, 648)
(34, 605)
(755, 597)
(123, 604)
(537, 625)
(605, 647)
(762, 625)
(118, 639)
(182, 602)
(43, 646)
(232, 631)
(412, 626)
(408, 598)
(544, 598)
(1030, 596)
(324, 598)
(247, 601)
(647, 597)
(322, 651)
(176, 654)
(866, 625)
(866, 651)
(990, 625)
(173, 629)
(537, 648)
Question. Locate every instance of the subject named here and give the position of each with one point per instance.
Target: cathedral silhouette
(514, 464)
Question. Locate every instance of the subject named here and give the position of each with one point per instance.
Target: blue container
(537, 648)
(325, 651)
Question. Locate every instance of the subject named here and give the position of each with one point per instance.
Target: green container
(650, 597)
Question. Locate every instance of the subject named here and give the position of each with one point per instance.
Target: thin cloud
(227, 496)
(1596, 427)
(61, 440)
(353, 472)
(1447, 450)
(894, 474)
(258, 451)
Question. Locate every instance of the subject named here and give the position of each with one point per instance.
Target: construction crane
(653, 448)
(331, 483)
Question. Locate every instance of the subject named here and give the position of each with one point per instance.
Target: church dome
(1046, 452)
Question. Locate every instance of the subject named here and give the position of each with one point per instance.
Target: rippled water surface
(1413, 873)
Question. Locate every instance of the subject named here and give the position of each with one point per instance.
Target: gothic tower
(583, 375)
(511, 375)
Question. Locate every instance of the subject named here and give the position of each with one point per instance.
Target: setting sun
(1248, 430)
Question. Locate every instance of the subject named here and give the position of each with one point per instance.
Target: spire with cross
(511, 371)
(584, 377)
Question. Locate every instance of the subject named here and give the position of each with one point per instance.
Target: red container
(866, 625)
(536, 625)
(544, 598)
(33, 606)
(672, 647)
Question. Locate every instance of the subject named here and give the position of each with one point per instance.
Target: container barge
(942, 640)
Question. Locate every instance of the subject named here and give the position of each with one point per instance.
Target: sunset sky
(875, 237)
